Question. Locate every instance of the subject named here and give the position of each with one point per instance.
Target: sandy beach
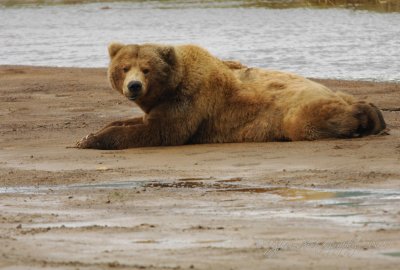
(329, 204)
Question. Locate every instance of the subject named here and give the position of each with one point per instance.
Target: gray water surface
(322, 43)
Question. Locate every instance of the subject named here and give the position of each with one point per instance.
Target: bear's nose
(134, 86)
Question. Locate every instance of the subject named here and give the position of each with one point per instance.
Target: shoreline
(211, 206)
(388, 6)
(5, 66)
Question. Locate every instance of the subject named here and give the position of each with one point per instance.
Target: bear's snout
(135, 89)
(134, 86)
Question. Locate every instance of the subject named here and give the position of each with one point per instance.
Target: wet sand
(329, 204)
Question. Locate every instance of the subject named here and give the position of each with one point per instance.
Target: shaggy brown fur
(190, 96)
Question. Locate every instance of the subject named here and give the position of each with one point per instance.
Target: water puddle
(49, 189)
(392, 254)
(293, 194)
(333, 197)
(244, 199)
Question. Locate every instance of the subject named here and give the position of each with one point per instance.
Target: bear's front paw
(89, 141)
(108, 139)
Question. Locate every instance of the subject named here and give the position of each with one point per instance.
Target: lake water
(323, 43)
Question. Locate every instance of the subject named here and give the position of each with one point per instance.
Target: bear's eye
(125, 69)
(145, 71)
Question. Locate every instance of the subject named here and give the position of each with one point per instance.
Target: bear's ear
(168, 54)
(114, 48)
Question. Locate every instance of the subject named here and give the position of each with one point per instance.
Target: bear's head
(142, 73)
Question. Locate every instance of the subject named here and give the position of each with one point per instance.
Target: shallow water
(355, 207)
(392, 254)
(324, 43)
(329, 196)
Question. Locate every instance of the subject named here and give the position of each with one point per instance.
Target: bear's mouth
(133, 97)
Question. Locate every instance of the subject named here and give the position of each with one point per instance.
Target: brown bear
(189, 96)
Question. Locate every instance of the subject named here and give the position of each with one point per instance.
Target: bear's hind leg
(335, 119)
(370, 117)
